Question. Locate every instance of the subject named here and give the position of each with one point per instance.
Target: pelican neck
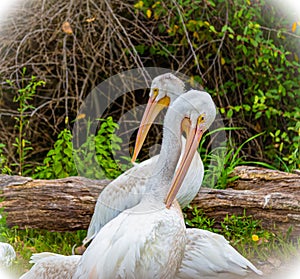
(164, 169)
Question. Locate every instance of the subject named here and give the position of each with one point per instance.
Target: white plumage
(209, 255)
(136, 245)
(51, 266)
(7, 255)
(148, 240)
(128, 189)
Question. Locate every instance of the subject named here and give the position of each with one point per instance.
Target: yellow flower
(294, 26)
(222, 63)
(255, 237)
(139, 5)
(155, 4)
(194, 22)
(148, 13)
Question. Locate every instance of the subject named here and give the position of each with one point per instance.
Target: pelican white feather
(51, 266)
(209, 255)
(7, 255)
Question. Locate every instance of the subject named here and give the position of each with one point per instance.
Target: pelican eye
(200, 119)
(155, 92)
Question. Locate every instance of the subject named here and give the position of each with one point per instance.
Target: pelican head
(166, 86)
(164, 91)
(198, 112)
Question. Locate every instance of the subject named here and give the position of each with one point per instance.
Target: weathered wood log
(256, 178)
(56, 205)
(68, 204)
(268, 195)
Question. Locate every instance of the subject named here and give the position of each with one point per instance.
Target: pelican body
(128, 189)
(209, 255)
(52, 266)
(148, 240)
(7, 255)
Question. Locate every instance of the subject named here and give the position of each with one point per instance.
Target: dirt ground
(277, 269)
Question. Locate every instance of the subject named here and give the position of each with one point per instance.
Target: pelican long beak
(152, 110)
(192, 142)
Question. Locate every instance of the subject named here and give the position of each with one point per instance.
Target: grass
(220, 162)
(29, 241)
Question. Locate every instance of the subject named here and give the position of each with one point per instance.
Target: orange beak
(192, 142)
(152, 110)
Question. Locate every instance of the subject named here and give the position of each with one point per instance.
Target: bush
(246, 58)
(94, 159)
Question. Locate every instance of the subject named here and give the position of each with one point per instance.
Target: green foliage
(4, 169)
(94, 159)
(23, 98)
(29, 241)
(59, 161)
(252, 61)
(2, 157)
(200, 220)
(280, 139)
(235, 228)
(220, 163)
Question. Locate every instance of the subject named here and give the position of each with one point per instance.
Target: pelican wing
(52, 266)
(7, 255)
(209, 255)
(124, 192)
(136, 245)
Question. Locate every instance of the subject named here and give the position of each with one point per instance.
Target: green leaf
(229, 113)
(258, 114)
(244, 49)
(246, 107)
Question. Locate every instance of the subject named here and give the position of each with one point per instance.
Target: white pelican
(209, 255)
(7, 255)
(128, 189)
(51, 266)
(148, 240)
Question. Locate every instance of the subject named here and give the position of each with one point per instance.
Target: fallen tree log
(67, 204)
(56, 205)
